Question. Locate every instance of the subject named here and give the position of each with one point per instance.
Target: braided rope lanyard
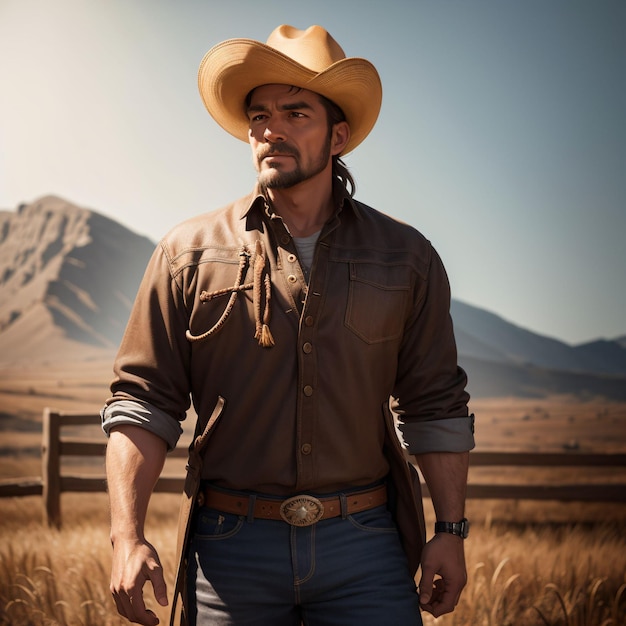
(261, 278)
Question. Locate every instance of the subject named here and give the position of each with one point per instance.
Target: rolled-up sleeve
(151, 388)
(430, 398)
(449, 435)
(141, 414)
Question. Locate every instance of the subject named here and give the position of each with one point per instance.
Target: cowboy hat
(310, 59)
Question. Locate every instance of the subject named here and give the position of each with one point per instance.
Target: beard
(274, 178)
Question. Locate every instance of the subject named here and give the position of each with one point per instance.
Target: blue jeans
(339, 572)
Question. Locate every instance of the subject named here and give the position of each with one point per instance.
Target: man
(301, 318)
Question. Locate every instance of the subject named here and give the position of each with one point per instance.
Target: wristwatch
(460, 529)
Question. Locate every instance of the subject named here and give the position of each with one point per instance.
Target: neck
(305, 207)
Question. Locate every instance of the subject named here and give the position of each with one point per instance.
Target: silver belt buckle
(302, 510)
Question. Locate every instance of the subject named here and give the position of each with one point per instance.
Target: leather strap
(190, 491)
(265, 508)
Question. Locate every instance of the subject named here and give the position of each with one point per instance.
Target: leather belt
(300, 510)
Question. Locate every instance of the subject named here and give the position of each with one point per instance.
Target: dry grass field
(529, 563)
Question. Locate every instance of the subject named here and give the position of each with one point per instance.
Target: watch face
(464, 528)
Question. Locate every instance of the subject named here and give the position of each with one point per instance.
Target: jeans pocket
(214, 525)
(376, 520)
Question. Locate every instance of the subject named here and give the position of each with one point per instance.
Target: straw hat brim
(230, 70)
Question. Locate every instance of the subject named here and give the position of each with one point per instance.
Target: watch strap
(460, 529)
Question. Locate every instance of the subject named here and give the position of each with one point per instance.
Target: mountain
(486, 336)
(68, 277)
(504, 359)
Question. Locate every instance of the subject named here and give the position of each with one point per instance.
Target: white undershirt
(306, 249)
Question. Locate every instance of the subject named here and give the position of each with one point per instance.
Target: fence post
(51, 468)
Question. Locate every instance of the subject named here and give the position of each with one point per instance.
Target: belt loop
(343, 501)
(251, 507)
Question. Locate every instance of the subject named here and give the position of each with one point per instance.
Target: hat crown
(314, 48)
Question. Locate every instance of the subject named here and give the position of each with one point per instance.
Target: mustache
(269, 149)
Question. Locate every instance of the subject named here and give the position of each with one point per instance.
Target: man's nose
(274, 132)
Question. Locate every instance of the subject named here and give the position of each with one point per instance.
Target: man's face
(289, 135)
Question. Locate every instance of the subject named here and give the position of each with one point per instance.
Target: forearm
(134, 461)
(445, 474)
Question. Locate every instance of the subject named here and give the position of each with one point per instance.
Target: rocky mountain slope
(68, 277)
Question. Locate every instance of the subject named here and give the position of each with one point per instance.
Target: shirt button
(308, 320)
(285, 239)
(291, 278)
(306, 448)
(291, 258)
(307, 348)
(308, 391)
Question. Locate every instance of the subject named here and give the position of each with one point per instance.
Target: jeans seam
(311, 549)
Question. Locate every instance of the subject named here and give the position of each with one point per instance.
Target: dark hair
(340, 169)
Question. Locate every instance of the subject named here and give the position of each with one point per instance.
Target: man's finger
(158, 584)
(141, 615)
(121, 609)
(426, 585)
(443, 599)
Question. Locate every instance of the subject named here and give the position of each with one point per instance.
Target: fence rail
(55, 446)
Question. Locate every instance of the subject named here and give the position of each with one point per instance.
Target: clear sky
(502, 135)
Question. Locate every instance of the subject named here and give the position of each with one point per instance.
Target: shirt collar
(256, 201)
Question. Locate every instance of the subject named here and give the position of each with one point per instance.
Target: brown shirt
(371, 326)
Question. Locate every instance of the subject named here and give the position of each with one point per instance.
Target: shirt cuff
(445, 435)
(144, 415)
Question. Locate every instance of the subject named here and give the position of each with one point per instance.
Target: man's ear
(340, 137)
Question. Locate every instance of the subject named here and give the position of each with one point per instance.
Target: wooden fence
(55, 446)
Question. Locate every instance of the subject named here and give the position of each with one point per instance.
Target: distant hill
(485, 336)
(503, 359)
(492, 379)
(69, 275)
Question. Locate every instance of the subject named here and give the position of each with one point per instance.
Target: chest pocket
(377, 301)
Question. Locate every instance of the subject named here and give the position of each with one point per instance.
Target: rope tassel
(263, 334)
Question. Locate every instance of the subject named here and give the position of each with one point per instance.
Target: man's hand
(443, 556)
(134, 461)
(134, 563)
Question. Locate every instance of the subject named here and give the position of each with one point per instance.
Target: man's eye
(257, 118)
